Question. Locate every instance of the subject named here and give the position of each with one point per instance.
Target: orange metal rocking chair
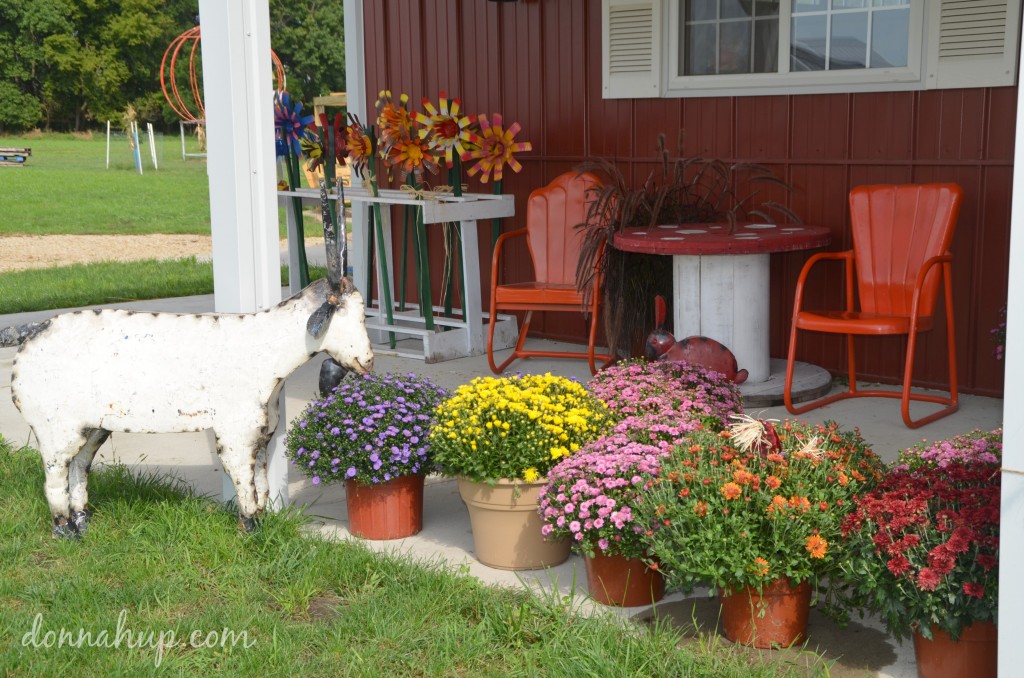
(901, 239)
(552, 214)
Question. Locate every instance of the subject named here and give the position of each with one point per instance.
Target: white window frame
(952, 44)
(784, 81)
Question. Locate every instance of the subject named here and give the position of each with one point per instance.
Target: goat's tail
(19, 334)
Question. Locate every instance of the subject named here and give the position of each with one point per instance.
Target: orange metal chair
(901, 239)
(552, 214)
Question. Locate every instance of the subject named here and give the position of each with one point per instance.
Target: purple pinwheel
(289, 122)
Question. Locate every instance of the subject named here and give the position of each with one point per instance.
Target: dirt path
(20, 252)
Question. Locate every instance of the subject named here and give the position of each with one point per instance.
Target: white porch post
(355, 89)
(1011, 537)
(240, 164)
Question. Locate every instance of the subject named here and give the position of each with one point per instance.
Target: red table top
(699, 239)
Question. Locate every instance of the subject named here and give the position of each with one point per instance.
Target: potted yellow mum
(499, 438)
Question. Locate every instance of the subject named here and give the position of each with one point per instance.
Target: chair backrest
(552, 214)
(895, 230)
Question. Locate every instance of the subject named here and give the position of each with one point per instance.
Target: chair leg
(952, 403)
(517, 351)
(787, 389)
(490, 338)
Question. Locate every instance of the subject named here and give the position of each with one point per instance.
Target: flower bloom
(974, 590)
(928, 579)
(731, 490)
(816, 546)
(760, 567)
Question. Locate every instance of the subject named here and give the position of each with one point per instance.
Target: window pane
(849, 46)
(701, 10)
(736, 9)
(807, 52)
(849, 4)
(766, 8)
(809, 6)
(734, 49)
(700, 50)
(890, 32)
(766, 46)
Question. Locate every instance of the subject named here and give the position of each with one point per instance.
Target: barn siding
(539, 63)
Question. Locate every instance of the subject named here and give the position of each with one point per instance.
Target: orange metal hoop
(168, 69)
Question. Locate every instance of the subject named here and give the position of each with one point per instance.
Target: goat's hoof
(80, 519)
(64, 528)
(247, 524)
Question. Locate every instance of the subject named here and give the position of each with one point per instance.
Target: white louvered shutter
(631, 48)
(975, 43)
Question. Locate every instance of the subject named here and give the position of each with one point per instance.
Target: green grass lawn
(110, 282)
(278, 603)
(65, 188)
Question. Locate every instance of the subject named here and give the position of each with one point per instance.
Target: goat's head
(339, 323)
(338, 326)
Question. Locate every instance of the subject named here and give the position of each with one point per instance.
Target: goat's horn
(334, 271)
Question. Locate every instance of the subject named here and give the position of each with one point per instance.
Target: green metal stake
(292, 163)
(426, 295)
(496, 223)
(406, 224)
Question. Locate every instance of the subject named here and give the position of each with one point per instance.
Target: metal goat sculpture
(81, 375)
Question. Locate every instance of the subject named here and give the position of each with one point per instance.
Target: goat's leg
(78, 478)
(238, 457)
(57, 452)
(260, 480)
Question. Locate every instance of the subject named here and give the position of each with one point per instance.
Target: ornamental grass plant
(515, 427)
(371, 428)
(757, 502)
(923, 546)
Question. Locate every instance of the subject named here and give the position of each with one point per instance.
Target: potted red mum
(924, 553)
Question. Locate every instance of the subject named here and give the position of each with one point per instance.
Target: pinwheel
(497, 146)
(445, 130)
(289, 121)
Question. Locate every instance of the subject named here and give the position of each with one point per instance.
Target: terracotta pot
(973, 656)
(506, 526)
(784, 619)
(621, 581)
(389, 510)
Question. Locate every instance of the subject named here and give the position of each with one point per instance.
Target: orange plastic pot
(625, 582)
(973, 656)
(389, 510)
(775, 617)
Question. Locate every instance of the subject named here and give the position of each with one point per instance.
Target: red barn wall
(539, 63)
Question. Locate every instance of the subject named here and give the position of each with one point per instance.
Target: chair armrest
(846, 257)
(922, 275)
(497, 253)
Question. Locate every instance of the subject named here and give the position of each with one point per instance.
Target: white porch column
(1011, 520)
(240, 164)
(355, 89)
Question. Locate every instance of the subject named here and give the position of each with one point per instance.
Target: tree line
(74, 64)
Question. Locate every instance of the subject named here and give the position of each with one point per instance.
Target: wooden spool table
(721, 283)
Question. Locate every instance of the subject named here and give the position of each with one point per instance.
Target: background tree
(69, 64)
(309, 38)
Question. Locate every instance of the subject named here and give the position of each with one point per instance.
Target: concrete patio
(862, 649)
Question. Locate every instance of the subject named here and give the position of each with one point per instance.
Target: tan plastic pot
(506, 526)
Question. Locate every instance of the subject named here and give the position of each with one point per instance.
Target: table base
(809, 382)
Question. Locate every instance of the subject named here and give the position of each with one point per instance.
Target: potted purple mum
(371, 433)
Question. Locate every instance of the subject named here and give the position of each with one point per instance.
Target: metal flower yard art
(289, 130)
(449, 133)
(497, 148)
